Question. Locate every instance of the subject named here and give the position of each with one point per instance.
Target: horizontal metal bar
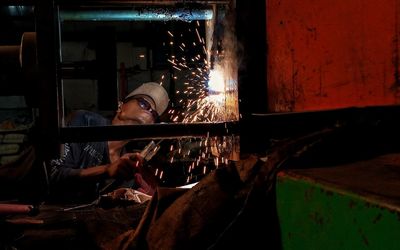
(256, 127)
(17, 2)
(258, 131)
(287, 124)
(148, 14)
(135, 2)
(153, 131)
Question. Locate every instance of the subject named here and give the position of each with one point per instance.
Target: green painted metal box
(352, 206)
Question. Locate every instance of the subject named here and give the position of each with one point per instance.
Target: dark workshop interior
(280, 128)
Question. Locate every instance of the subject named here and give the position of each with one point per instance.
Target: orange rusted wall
(328, 54)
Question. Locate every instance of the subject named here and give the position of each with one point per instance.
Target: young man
(86, 167)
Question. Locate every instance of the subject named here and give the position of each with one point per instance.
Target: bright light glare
(216, 80)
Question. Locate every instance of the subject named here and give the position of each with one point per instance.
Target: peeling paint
(317, 218)
(308, 194)
(352, 204)
(377, 218)
(363, 236)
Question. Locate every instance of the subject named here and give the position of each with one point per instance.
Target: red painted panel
(327, 54)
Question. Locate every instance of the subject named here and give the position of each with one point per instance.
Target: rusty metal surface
(325, 55)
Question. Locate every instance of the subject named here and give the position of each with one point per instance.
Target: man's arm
(123, 168)
(97, 172)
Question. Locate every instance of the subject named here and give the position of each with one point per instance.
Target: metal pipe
(134, 2)
(152, 14)
(151, 131)
(10, 54)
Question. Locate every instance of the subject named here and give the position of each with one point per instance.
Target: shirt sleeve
(67, 167)
(65, 171)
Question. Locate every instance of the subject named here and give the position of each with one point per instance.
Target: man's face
(134, 111)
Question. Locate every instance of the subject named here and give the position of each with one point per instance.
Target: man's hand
(125, 167)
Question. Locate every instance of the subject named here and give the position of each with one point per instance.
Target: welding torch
(148, 152)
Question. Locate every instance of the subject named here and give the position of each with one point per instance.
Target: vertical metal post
(48, 58)
(251, 35)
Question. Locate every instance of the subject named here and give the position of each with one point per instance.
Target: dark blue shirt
(77, 156)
